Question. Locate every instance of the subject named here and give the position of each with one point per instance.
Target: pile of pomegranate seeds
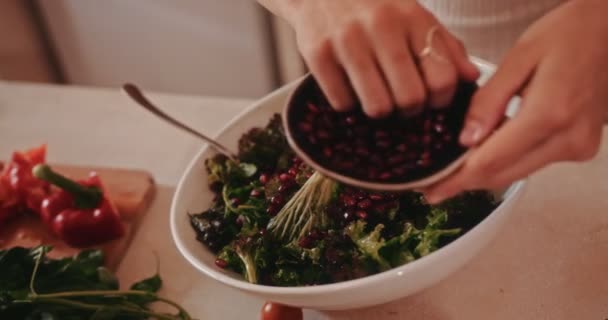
(394, 149)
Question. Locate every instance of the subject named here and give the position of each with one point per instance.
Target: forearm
(282, 8)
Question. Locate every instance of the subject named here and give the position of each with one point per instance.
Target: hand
(373, 47)
(560, 68)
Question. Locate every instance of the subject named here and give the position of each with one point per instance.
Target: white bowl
(193, 195)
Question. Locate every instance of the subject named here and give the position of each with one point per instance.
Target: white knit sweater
(489, 27)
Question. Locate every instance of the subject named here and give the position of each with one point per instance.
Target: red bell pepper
(79, 213)
(19, 189)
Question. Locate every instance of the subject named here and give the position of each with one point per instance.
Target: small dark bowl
(308, 91)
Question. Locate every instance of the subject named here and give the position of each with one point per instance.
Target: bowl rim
(511, 194)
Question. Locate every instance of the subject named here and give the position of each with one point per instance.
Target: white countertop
(550, 262)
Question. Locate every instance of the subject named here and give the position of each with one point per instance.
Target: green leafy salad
(354, 233)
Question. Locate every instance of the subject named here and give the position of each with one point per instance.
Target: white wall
(210, 47)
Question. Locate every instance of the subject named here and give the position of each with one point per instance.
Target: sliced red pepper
(79, 213)
(19, 189)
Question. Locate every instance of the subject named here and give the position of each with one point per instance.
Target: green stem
(85, 197)
(112, 293)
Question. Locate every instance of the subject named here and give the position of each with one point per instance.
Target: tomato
(275, 311)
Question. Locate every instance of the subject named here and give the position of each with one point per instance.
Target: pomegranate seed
(323, 135)
(293, 172)
(364, 204)
(360, 195)
(306, 242)
(349, 201)
(312, 139)
(277, 200)
(440, 117)
(264, 178)
(396, 159)
(327, 151)
(376, 197)
(347, 165)
(351, 120)
(447, 137)
(426, 155)
(255, 193)
(282, 188)
(305, 127)
(427, 139)
(240, 220)
(313, 108)
(438, 146)
(221, 263)
(427, 125)
(424, 163)
(385, 176)
(440, 128)
(380, 134)
(272, 210)
(362, 151)
(283, 177)
(399, 171)
(402, 147)
(262, 232)
(362, 214)
(384, 144)
(235, 202)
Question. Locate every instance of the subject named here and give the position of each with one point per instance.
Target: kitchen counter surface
(549, 262)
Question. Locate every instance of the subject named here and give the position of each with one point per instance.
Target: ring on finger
(428, 50)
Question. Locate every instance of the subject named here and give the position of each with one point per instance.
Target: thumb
(490, 102)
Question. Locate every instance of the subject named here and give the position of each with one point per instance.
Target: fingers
(489, 103)
(355, 53)
(330, 76)
(467, 70)
(406, 86)
(439, 73)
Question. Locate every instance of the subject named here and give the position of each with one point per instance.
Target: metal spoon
(137, 95)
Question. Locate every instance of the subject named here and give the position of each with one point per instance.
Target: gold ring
(428, 49)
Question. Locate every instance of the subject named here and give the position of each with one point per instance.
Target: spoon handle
(137, 95)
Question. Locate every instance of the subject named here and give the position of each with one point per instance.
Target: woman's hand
(560, 66)
(373, 47)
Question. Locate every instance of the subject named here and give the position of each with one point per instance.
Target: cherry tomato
(275, 311)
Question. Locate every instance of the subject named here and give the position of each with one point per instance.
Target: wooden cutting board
(132, 192)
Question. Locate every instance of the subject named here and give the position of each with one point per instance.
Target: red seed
(440, 128)
(381, 134)
(306, 242)
(262, 232)
(305, 127)
(402, 147)
(312, 108)
(277, 200)
(399, 171)
(348, 215)
(312, 139)
(425, 155)
(264, 178)
(376, 197)
(385, 176)
(360, 195)
(347, 165)
(384, 144)
(255, 193)
(424, 163)
(362, 214)
(272, 210)
(364, 204)
(221, 263)
(438, 146)
(235, 202)
(323, 135)
(427, 139)
(362, 151)
(396, 159)
(293, 172)
(447, 137)
(427, 125)
(327, 151)
(349, 201)
(350, 120)
(283, 177)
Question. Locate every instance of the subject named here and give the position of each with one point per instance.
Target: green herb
(33, 286)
